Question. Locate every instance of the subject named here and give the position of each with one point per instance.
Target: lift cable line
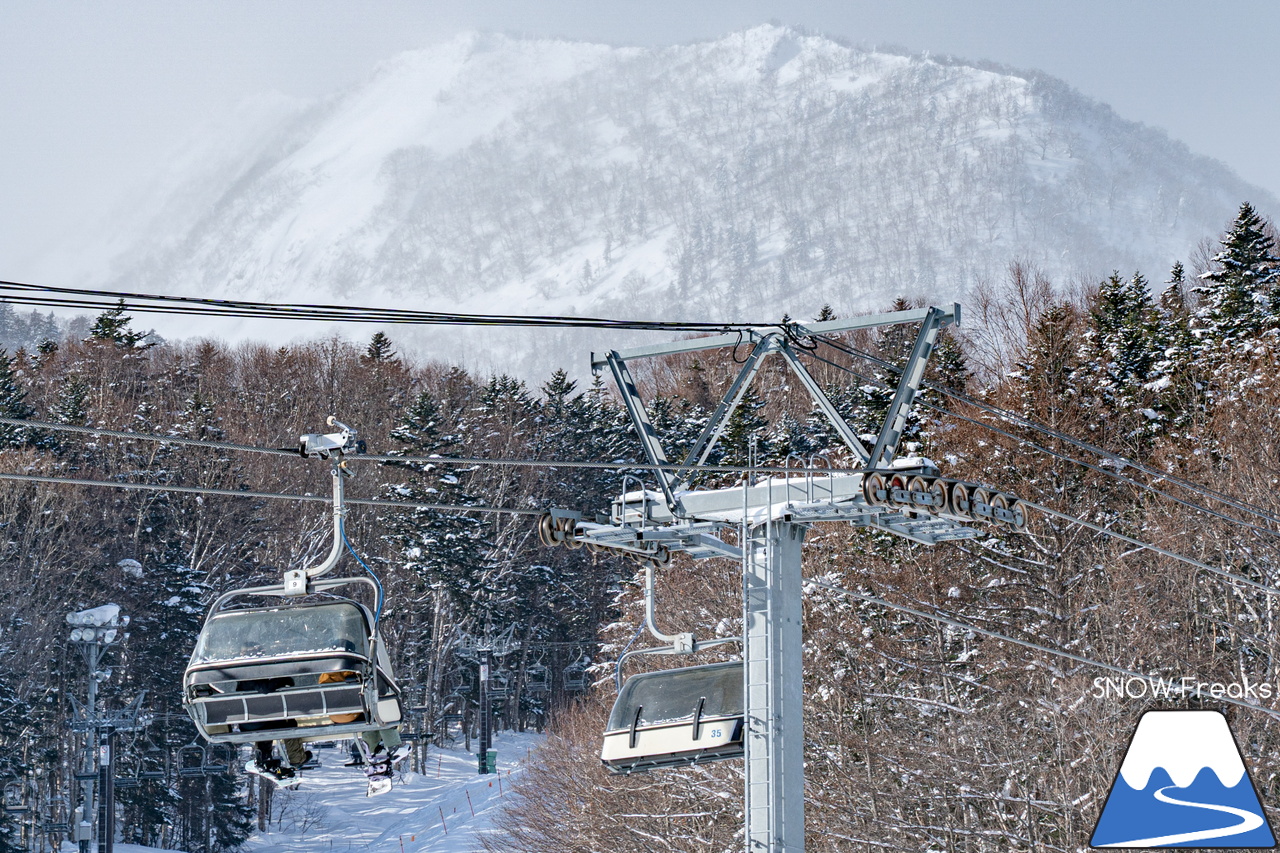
(237, 493)
(557, 463)
(1234, 578)
(20, 293)
(375, 502)
(392, 459)
(1115, 475)
(1015, 418)
(965, 626)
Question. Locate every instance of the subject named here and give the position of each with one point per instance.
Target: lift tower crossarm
(728, 404)
(866, 321)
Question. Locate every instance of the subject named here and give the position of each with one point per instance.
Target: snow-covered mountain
(768, 172)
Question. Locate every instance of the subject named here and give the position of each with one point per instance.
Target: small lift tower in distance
(906, 497)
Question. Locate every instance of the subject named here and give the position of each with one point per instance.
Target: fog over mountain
(768, 172)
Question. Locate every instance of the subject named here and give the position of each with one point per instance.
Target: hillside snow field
(766, 172)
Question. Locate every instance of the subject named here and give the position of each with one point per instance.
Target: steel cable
(955, 623)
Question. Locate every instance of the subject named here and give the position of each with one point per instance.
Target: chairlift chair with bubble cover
(676, 717)
(296, 659)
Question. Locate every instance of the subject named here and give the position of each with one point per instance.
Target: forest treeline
(917, 736)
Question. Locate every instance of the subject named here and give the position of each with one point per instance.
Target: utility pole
(486, 735)
(93, 631)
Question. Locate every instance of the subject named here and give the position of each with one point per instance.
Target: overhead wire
(245, 493)
(1062, 653)
(1020, 420)
(395, 459)
(1223, 573)
(1116, 475)
(21, 293)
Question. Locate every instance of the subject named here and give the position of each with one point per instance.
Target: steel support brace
(720, 417)
(773, 690)
(837, 421)
(644, 427)
(908, 385)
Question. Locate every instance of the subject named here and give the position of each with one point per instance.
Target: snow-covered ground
(444, 810)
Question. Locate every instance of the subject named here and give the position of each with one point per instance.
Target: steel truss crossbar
(772, 516)
(826, 327)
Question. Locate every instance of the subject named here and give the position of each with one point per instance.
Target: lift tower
(905, 497)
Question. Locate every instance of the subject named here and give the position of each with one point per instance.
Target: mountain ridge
(771, 171)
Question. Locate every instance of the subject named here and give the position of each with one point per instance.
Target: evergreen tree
(745, 423)
(1178, 394)
(444, 549)
(113, 325)
(12, 405)
(379, 350)
(1239, 295)
(15, 732)
(1123, 341)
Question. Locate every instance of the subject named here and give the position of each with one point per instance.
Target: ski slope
(445, 810)
(430, 812)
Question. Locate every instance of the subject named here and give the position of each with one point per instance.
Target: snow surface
(763, 173)
(410, 814)
(330, 812)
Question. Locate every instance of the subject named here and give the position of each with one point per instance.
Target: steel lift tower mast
(901, 496)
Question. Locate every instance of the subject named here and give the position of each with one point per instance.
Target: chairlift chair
(463, 682)
(311, 669)
(295, 660)
(499, 684)
(192, 759)
(676, 717)
(538, 680)
(575, 676)
(16, 798)
(219, 758)
(153, 751)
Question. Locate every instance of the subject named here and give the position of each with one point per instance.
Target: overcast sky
(93, 94)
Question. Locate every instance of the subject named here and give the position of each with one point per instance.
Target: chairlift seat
(259, 672)
(575, 677)
(676, 717)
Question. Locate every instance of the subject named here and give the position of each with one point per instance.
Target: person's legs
(372, 739)
(296, 753)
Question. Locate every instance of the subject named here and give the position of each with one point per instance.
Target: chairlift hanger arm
(332, 446)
